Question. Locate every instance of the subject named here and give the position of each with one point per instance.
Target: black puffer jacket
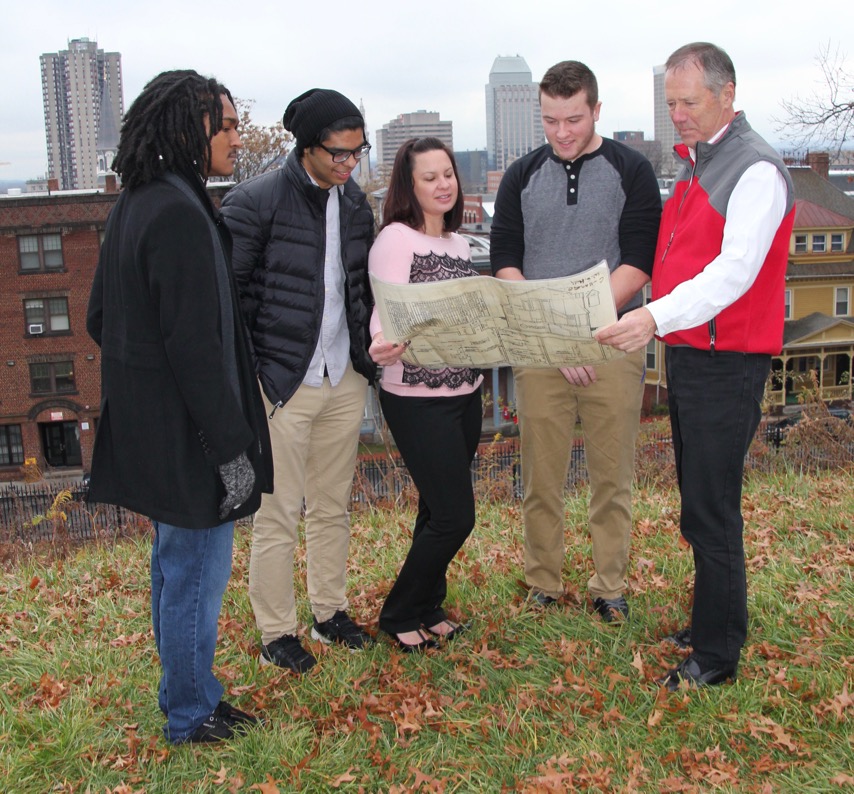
(278, 221)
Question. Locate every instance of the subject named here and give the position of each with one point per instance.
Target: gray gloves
(238, 477)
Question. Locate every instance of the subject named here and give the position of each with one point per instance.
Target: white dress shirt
(333, 346)
(756, 208)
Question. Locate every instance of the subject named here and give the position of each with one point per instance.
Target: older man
(717, 289)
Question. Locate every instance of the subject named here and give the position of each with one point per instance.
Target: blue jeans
(190, 569)
(715, 408)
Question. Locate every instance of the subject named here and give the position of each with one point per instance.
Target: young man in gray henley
(559, 210)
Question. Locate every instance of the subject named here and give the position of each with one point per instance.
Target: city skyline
(393, 67)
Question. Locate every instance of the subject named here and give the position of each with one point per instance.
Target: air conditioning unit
(35, 329)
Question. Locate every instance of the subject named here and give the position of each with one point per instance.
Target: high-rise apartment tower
(513, 123)
(83, 106)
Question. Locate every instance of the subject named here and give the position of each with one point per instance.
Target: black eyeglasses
(343, 155)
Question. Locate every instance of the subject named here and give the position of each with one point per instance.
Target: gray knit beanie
(312, 112)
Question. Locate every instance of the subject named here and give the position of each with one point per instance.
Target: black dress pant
(715, 408)
(437, 438)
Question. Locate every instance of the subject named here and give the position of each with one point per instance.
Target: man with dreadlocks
(182, 437)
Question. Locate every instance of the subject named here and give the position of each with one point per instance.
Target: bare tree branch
(263, 147)
(827, 117)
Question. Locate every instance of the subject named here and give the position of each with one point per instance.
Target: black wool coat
(278, 221)
(169, 412)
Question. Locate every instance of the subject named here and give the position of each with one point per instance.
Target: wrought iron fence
(379, 479)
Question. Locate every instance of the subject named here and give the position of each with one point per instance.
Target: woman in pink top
(434, 414)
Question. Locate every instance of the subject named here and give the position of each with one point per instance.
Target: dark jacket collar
(296, 173)
(198, 185)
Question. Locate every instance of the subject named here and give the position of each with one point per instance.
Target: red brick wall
(80, 217)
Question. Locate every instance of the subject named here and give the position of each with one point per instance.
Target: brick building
(50, 382)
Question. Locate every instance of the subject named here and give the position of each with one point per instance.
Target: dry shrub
(819, 441)
(655, 466)
(497, 477)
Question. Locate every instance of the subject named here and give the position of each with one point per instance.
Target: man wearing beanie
(301, 240)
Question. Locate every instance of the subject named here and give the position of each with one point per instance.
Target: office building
(649, 149)
(471, 167)
(665, 132)
(83, 107)
(513, 123)
(420, 124)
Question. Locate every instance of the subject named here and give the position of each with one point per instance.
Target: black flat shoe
(690, 672)
(418, 647)
(456, 631)
(681, 639)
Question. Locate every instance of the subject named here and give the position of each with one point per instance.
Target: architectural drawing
(487, 322)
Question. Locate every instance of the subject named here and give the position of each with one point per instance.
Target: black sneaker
(540, 600)
(216, 728)
(287, 652)
(339, 628)
(239, 721)
(612, 609)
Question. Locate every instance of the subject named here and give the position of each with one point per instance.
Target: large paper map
(488, 322)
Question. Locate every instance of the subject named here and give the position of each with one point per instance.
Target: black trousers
(715, 408)
(437, 438)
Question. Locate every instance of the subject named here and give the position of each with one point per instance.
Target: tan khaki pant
(315, 436)
(610, 417)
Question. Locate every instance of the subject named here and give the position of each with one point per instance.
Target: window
(55, 377)
(651, 357)
(46, 316)
(40, 251)
(843, 304)
(837, 242)
(800, 243)
(787, 306)
(819, 243)
(11, 445)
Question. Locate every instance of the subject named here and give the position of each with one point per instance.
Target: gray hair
(716, 64)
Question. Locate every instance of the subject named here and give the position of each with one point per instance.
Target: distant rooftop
(510, 64)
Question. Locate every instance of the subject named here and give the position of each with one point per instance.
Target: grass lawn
(525, 701)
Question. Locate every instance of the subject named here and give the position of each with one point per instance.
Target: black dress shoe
(681, 639)
(418, 647)
(456, 630)
(693, 675)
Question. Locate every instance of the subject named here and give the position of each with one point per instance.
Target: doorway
(61, 443)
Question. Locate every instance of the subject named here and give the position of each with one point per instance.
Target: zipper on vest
(679, 212)
(275, 408)
(712, 333)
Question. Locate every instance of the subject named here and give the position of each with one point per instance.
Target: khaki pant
(610, 417)
(315, 437)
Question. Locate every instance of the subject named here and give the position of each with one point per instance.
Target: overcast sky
(398, 56)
